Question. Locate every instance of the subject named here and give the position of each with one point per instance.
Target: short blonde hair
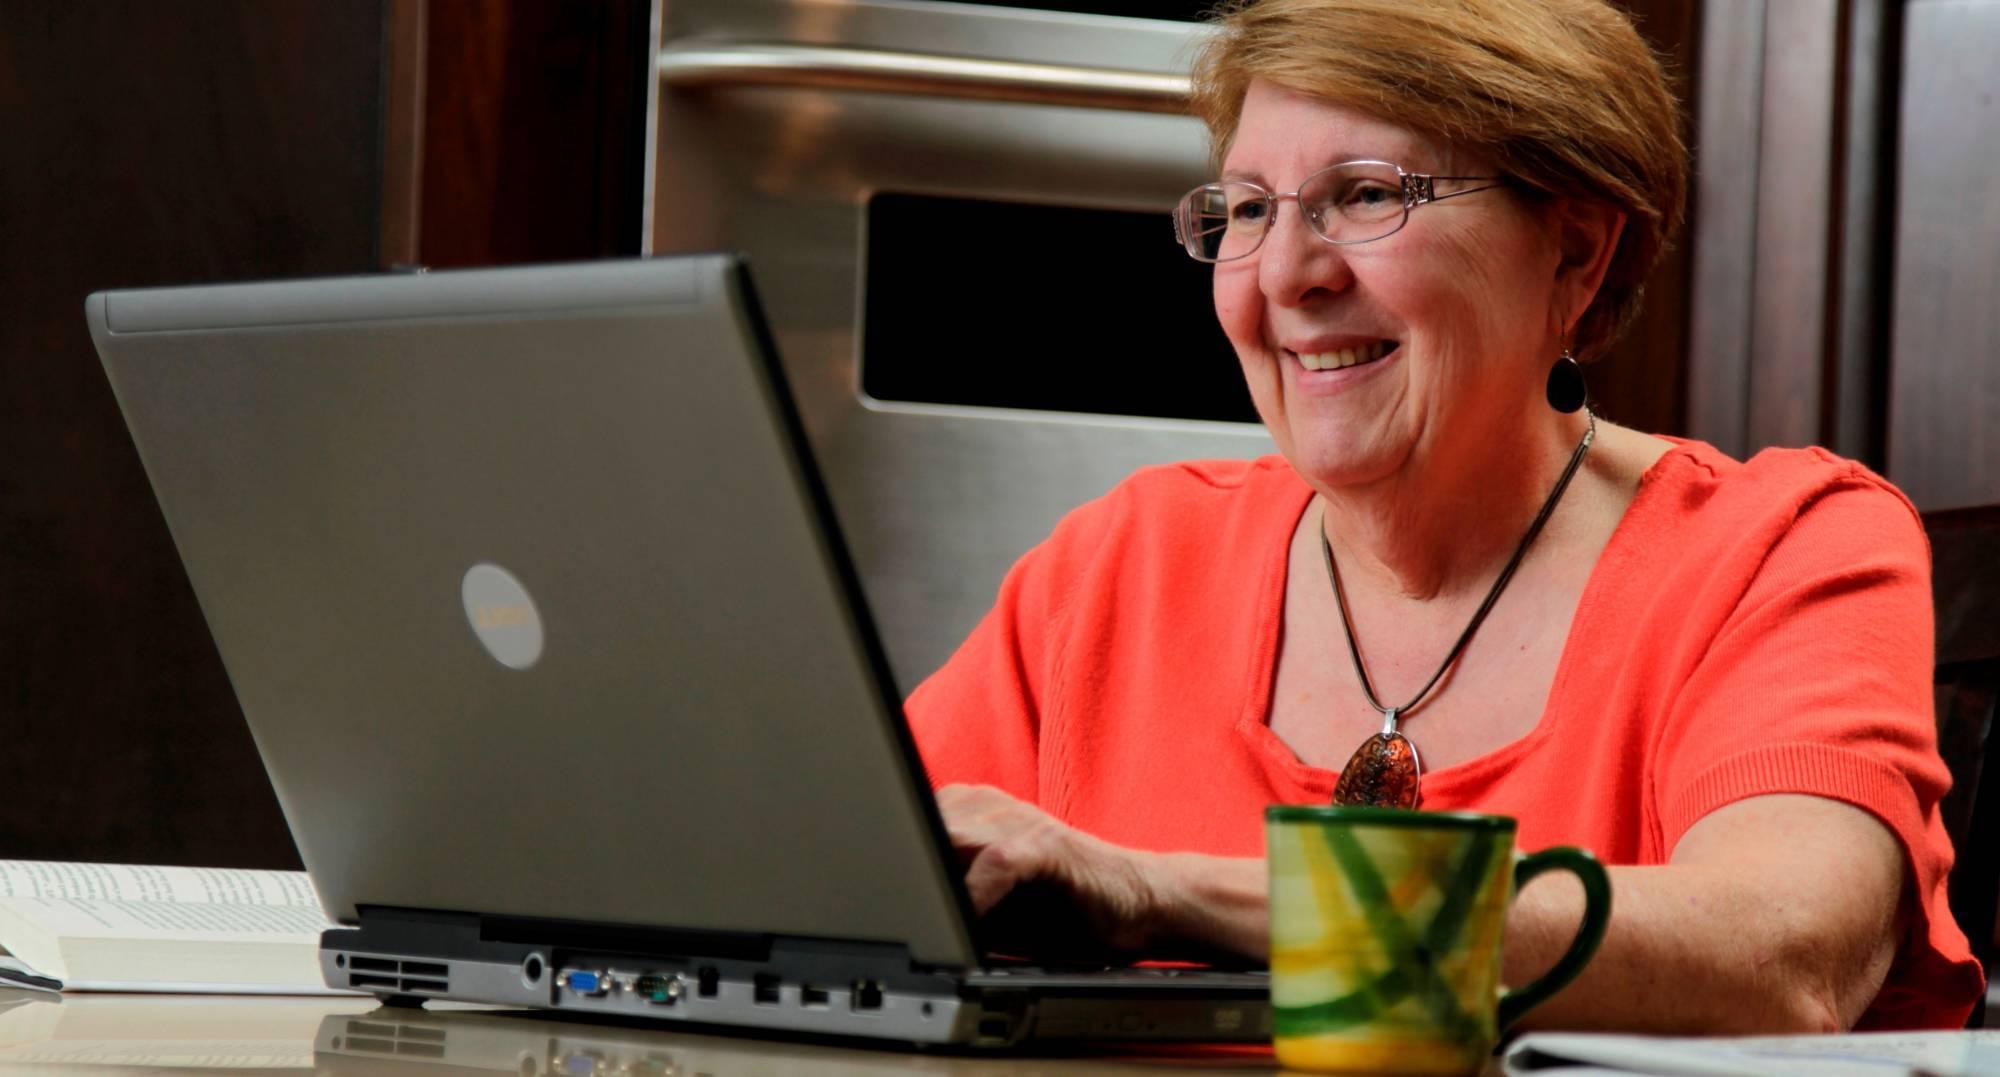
(1561, 95)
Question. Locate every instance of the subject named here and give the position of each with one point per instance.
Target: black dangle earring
(1566, 388)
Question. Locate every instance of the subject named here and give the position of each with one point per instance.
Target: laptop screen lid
(533, 600)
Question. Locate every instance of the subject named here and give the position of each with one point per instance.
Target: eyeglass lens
(1349, 203)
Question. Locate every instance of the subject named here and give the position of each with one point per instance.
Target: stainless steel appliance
(958, 215)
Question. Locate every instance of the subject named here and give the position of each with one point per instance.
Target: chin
(1330, 463)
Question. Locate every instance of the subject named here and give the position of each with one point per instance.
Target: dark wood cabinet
(146, 144)
(1943, 407)
(1846, 270)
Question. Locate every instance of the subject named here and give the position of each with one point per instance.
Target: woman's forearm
(1690, 949)
(1695, 949)
(1211, 905)
(1777, 914)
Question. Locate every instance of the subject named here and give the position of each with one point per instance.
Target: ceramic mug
(1385, 936)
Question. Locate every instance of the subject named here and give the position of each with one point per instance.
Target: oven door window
(1057, 308)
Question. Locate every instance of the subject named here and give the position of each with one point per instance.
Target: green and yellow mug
(1385, 936)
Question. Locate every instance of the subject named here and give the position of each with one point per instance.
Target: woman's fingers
(1045, 889)
(1003, 841)
(1040, 884)
(989, 877)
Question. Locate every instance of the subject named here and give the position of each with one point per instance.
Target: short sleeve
(978, 719)
(1818, 682)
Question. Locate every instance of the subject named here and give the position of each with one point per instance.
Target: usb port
(812, 996)
(764, 989)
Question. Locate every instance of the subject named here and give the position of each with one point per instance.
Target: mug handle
(1596, 915)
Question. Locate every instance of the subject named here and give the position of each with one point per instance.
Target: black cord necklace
(1385, 771)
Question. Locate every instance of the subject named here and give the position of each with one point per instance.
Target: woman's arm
(1776, 914)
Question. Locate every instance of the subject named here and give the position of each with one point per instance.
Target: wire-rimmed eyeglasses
(1351, 202)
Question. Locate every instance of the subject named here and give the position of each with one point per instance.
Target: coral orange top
(1750, 628)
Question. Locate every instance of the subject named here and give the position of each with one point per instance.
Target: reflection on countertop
(134, 1034)
(103, 1034)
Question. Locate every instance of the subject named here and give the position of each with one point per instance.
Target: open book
(1858, 1054)
(121, 927)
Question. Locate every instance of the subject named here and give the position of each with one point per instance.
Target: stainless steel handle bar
(698, 64)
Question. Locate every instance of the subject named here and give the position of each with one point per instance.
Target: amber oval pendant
(1382, 773)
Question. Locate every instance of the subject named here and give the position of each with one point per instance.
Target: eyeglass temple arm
(1422, 187)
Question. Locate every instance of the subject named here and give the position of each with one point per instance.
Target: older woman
(1456, 588)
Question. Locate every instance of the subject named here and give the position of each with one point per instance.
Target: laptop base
(805, 986)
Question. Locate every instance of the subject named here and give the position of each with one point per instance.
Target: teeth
(1346, 357)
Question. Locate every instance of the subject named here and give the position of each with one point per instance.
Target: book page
(1861, 1054)
(260, 933)
(95, 945)
(90, 918)
(134, 882)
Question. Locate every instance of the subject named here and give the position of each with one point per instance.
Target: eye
(1249, 211)
(1369, 194)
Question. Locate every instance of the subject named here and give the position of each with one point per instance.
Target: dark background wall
(144, 143)
(1642, 381)
(534, 130)
(1835, 287)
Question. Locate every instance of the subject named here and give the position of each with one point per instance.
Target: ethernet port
(764, 989)
(866, 995)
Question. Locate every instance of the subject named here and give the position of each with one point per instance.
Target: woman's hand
(1045, 889)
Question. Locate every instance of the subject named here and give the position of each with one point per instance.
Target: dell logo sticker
(502, 615)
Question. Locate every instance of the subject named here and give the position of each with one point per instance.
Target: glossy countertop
(80, 1034)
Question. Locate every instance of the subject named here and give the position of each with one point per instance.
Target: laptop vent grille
(404, 977)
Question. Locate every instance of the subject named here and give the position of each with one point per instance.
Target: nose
(1294, 264)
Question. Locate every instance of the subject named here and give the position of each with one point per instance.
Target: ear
(1587, 236)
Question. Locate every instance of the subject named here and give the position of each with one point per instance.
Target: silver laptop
(537, 610)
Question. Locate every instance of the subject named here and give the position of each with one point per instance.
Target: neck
(1445, 522)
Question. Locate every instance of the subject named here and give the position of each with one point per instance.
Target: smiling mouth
(1343, 358)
